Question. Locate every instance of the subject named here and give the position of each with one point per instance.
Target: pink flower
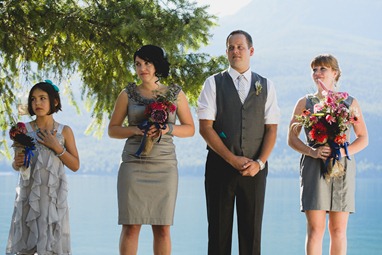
(330, 119)
(313, 119)
(342, 95)
(354, 119)
(318, 108)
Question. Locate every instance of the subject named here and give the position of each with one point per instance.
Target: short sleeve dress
(318, 194)
(40, 221)
(147, 185)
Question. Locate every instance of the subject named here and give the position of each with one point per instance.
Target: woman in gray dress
(320, 195)
(148, 178)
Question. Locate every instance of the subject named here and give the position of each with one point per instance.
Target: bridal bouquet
(157, 114)
(328, 123)
(22, 143)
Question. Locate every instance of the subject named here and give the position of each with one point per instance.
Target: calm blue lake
(94, 229)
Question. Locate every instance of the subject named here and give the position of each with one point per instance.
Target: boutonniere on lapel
(258, 87)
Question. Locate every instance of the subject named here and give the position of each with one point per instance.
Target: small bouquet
(22, 143)
(157, 115)
(327, 124)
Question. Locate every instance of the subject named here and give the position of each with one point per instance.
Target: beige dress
(147, 185)
(40, 221)
(318, 194)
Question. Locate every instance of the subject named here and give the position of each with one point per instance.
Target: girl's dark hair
(54, 97)
(157, 56)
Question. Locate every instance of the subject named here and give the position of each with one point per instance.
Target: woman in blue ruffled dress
(40, 221)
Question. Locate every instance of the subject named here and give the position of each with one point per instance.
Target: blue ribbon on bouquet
(28, 155)
(145, 125)
(336, 153)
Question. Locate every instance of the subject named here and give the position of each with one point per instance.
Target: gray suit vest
(240, 126)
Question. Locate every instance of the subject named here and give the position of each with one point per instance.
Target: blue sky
(223, 8)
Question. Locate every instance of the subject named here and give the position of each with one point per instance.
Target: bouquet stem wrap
(25, 168)
(148, 142)
(333, 166)
(28, 155)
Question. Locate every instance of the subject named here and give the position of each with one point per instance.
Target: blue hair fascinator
(54, 86)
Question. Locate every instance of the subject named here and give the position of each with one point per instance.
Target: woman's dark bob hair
(157, 56)
(54, 97)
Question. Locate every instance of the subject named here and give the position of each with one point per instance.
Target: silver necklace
(38, 129)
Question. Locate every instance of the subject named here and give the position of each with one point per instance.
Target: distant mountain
(287, 35)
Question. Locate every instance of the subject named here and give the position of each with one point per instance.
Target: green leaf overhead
(96, 40)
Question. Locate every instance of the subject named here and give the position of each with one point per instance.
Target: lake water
(94, 229)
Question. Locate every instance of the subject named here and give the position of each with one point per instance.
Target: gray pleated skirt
(147, 185)
(317, 194)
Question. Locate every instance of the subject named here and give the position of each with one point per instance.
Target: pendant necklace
(38, 129)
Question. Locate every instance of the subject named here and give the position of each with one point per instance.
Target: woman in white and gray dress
(148, 182)
(318, 196)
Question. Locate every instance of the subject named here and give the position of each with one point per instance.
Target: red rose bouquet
(22, 143)
(157, 114)
(327, 124)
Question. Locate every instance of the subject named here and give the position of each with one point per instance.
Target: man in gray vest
(238, 117)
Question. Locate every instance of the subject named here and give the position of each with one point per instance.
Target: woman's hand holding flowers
(154, 132)
(322, 152)
(23, 147)
(157, 113)
(18, 160)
